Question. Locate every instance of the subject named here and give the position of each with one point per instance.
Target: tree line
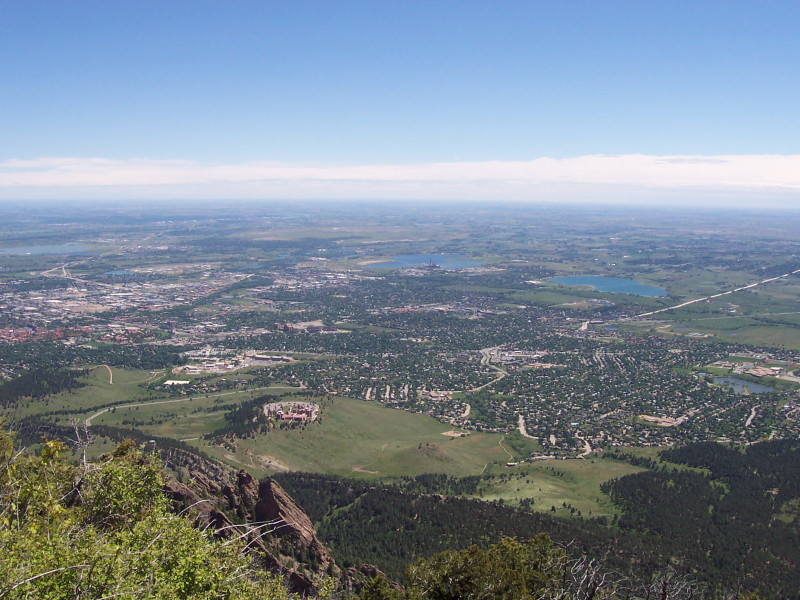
(39, 383)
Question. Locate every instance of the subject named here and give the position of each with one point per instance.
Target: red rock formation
(288, 520)
(256, 504)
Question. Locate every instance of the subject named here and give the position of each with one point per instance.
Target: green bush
(103, 530)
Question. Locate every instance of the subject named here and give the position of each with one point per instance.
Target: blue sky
(119, 99)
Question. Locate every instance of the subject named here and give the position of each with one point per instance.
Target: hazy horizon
(646, 103)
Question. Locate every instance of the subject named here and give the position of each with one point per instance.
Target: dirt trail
(510, 456)
(751, 417)
(587, 448)
(271, 461)
(148, 379)
(361, 469)
(107, 368)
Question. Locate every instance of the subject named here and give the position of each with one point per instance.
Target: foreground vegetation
(103, 530)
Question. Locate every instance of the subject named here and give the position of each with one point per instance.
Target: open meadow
(572, 487)
(368, 440)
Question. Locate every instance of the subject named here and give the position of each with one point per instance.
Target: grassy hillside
(351, 438)
(363, 439)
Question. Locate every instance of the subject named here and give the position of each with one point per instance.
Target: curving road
(587, 448)
(88, 421)
(523, 431)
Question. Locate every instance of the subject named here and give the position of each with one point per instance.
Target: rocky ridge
(234, 503)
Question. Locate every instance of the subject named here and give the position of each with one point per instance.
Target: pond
(738, 385)
(613, 285)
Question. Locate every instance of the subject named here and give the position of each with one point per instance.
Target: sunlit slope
(358, 438)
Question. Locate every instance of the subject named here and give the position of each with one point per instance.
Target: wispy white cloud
(584, 177)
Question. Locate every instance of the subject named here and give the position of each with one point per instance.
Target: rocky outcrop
(280, 530)
(202, 471)
(287, 520)
(247, 491)
(185, 498)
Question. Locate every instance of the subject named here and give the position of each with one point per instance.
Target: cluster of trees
(246, 419)
(533, 570)
(243, 420)
(439, 483)
(736, 520)
(772, 465)
(39, 383)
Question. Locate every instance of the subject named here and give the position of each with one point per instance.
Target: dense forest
(731, 526)
(390, 526)
(732, 515)
(39, 383)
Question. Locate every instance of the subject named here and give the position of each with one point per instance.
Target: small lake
(62, 249)
(738, 385)
(445, 261)
(613, 285)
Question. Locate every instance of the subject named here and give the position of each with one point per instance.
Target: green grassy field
(361, 439)
(778, 335)
(555, 482)
(352, 438)
(183, 416)
(104, 385)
